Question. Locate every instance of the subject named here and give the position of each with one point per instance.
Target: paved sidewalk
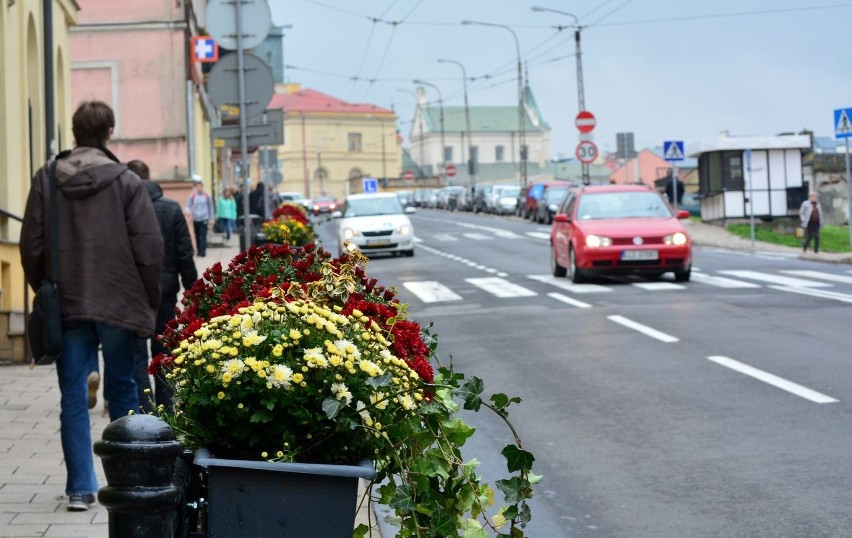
(32, 472)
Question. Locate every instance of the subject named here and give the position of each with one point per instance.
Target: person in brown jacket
(110, 260)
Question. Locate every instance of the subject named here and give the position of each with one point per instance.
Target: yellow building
(331, 145)
(24, 143)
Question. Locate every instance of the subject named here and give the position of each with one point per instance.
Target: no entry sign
(585, 121)
(450, 170)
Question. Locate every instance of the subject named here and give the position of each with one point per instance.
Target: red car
(324, 203)
(619, 229)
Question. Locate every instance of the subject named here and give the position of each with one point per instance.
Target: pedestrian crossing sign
(673, 150)
(843, 123)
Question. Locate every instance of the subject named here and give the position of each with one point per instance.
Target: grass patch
(831, 238)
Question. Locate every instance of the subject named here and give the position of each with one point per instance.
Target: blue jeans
(79, 357)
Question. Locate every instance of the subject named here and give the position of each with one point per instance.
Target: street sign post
(222, 25)
(585, 121)
(370, 185)
(843, 129)
(587, 151)
(673, 152)
(450, 170)
(223, 85)
(408, 175)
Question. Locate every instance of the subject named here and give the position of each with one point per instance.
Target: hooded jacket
(177, 244)
(109, 242)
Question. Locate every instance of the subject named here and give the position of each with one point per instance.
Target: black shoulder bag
(45, 322)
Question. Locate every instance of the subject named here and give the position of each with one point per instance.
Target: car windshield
(510, 191)
(365, 207)
(324, 199)
(619, 205)
(556, 194)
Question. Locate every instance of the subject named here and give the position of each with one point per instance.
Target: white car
(376, 223)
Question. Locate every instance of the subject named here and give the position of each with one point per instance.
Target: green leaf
(500, 400)
(332, 407)
(470, 392)
(403, 500)
(513, 488)
(472, 529)
(534, 478)
(360, 531)
(443, 523)
(517, 459)
(383, 380)
(457, 431)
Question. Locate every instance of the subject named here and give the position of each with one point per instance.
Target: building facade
(28, 28)
(494, 140)
(330, 145)
(136, 58)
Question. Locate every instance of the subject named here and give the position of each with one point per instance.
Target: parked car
(503, 199)
(455, 198)
(422, 196)
(406, 198)
(618, 229)
(376, 223)
(546, 206)
(692, 203)
(480, 195)
(531, 196)
(324, 203)
(296, 197)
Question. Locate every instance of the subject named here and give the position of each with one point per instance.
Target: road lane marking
(505, 234)
(539, 235)
(819, 275)
(776, 279)
(430, 291)
(500, 287)
(721, 282)
(567, 285)
(444, 237)
(658, 286)
(774, 380)
(822, 294)
(644, 329)
(568, 300)
(478, 236)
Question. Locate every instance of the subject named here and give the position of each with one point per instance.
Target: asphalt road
(717, 407)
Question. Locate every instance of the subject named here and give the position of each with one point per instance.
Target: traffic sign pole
(843, 129)
(848, 192)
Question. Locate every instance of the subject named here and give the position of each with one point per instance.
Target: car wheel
(408, 253)
(573, 273)
(556, 269)
(683, 276)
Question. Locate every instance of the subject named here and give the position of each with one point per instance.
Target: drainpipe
(190, 127)
(305, 159)
(49, 107)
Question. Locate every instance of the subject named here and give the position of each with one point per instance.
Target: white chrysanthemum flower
(348, 347)
(233, 366)
(280, 376)
(370, 368)
(341, 392)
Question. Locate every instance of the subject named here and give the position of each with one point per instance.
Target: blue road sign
(673, 150)
(370, 184)
(843, 123)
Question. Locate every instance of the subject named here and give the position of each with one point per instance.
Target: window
(448, 154)
(354, 141)
(499, 152)
(721, 171)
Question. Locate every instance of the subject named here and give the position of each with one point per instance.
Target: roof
(483, 119)
(308, 100)
(593, 189)
(361, 196)
(725, 143)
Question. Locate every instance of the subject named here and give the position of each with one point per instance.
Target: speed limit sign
(587, 151)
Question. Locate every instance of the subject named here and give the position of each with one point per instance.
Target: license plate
(377, 242)
(640, 255)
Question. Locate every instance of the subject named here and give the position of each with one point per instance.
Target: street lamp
(521, 130)
(581, 96)
(470, 165)
(441, 108)
(420, 140)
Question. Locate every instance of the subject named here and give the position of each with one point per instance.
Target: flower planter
(266, 499)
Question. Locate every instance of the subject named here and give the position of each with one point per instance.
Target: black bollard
(138, 453)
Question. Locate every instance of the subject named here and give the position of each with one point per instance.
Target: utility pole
(470, 164)
(441, 154)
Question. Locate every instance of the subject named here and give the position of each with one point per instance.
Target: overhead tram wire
(619, 8)
(728, 15)
(363, 59)
(605, 2)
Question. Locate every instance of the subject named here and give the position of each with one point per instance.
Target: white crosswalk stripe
(819, 275)
(658, 286)
(501, 287)
(776, 279)
(430, 291)
(444, 237)
(539, 235)
(478, 237)
(567, 285)
(721, 282)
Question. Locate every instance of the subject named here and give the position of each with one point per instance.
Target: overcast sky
(662, 69)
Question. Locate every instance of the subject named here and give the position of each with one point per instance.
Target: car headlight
(598, 241)
(553, 207)
(349, 233)
(405, 229)
(677, 239)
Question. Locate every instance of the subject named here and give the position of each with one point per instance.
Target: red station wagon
(619, 229)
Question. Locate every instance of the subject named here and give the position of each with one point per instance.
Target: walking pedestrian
(256, 203)
(178, 268)
(810, 215)
(111, 257)
(226, 212)
(674, 185)
(200, 208)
